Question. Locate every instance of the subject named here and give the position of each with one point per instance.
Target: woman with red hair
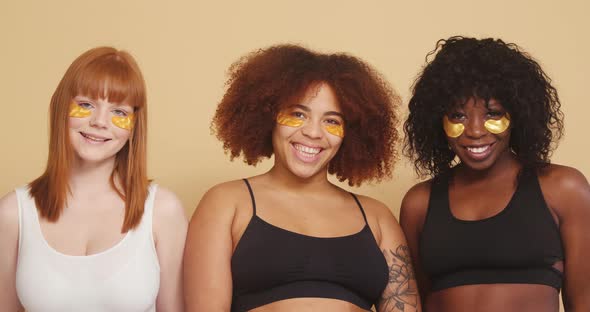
(92, 233)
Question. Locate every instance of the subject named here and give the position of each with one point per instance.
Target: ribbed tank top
(123, 278)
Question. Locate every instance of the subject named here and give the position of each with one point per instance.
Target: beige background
(185, 47)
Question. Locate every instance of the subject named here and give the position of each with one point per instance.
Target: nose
(99, 118)
(312, 129)
(474, 128)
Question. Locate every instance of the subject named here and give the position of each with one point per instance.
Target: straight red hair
(106, 73)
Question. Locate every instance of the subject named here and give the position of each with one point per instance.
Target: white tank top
(123, 278)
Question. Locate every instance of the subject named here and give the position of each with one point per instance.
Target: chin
(94, 159)
(304, 173)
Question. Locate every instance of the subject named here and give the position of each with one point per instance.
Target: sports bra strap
(360, 206)
(251, 196)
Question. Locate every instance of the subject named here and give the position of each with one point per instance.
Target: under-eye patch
(285, 119)
(497, 126)
(337, 130)
(289, 121)
(78, 111)
(123, 122)
(453, 130)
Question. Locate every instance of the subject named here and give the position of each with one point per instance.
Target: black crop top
(518, 245)
(272, 264)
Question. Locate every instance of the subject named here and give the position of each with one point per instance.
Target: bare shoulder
(374, 207)
(168, 205)
(8, 223)
(417, 197)
(9, 210)
(565, 189)
(415, 204)
(381, 220)
(222, 190)
(562, 178)
(223, 198)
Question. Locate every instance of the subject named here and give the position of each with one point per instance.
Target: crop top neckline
(498, 214)
(270, 264)
(518, 245)
(364, 228)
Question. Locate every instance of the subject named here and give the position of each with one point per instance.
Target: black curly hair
(487, 68)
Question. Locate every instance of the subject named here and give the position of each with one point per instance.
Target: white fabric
(123, 278)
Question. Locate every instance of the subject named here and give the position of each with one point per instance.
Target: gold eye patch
(453, 130)
(291, 121)
(123, 122)
(78, 111)
(337, 130)
(499, 125)
(495, 126)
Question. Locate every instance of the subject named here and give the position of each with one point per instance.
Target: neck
(88, 178)
(283, 178)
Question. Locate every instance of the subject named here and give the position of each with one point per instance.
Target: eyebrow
(328, 113)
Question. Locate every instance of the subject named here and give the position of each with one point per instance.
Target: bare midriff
(309, 304)
(494, 297)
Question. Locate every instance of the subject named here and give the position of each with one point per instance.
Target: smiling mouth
(479, 152)
(479, 149)
(93, 138)
(306, 153)
(311, 151)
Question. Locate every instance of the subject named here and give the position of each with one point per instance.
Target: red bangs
(114, 77)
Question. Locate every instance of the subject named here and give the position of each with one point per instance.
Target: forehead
(320, 97)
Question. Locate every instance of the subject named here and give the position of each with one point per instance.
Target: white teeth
(478, 150)
(307, 149)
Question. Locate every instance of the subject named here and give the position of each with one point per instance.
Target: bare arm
(207, 258)
(170, 226)
(412, 215)
(401, 293)
(9, 250)
(568, 192)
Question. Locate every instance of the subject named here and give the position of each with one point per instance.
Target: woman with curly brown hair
(289, 240)
(497, 228)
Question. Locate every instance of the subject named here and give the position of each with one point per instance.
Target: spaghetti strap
(360, 206)
(252, 196)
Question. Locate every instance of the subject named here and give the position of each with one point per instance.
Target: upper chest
(85, 227)
(316, 217)
(479, 201)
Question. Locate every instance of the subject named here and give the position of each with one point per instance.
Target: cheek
(504, 137)
(76, 123)
(335, 141)
(452, 143)
(283, 132)
(121, 134)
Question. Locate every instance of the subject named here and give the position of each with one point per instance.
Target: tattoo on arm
(400, 293)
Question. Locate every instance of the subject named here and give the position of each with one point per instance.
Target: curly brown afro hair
(263, 82)
(483, 68)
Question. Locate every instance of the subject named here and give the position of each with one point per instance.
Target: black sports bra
(518, 245)
(271, 264)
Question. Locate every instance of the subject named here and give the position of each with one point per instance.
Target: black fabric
(518, 245)
(272, 264)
